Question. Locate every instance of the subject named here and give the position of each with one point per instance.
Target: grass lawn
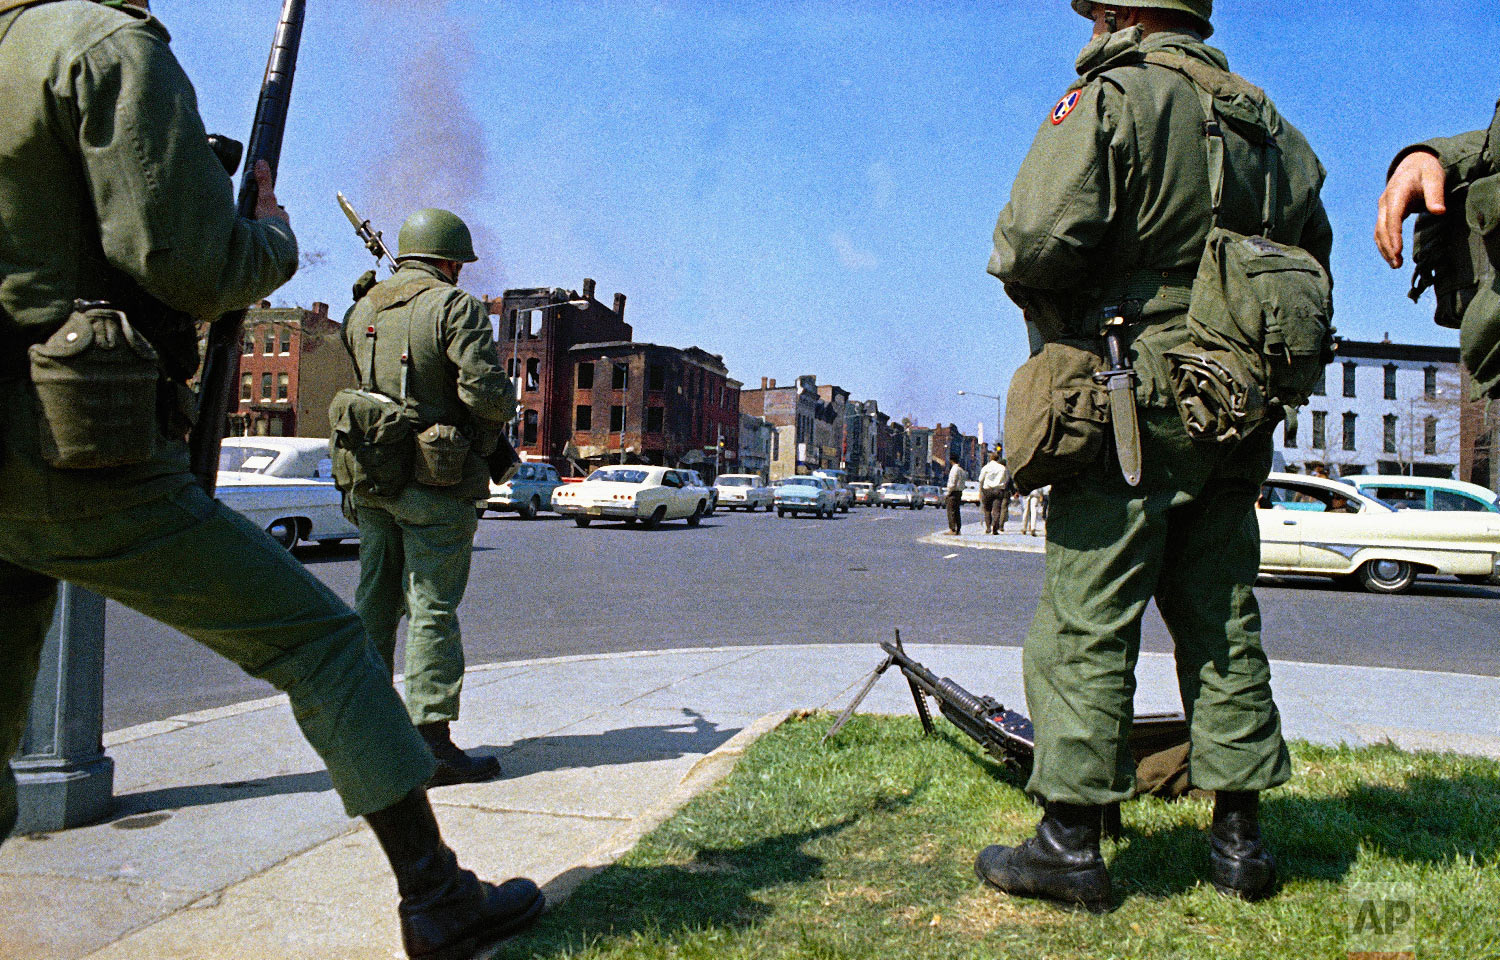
(865, 848)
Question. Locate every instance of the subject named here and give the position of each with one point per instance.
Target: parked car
(796, 495)
(696, 479)
(893, 495)
(284, 485)
(971, 492)
(843, 497)
(931, 496)
(744, 491)
(633, 493)
(527, 492)
(864, 493)
(1427, 493)
(1309, 525)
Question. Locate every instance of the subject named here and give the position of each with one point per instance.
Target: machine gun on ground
(1158, 741)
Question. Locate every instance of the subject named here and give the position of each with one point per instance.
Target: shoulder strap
(1214, 85)
(382, 298)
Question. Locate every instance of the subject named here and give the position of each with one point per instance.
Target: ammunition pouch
(1056, 414)
(96, 381)
(372, 443)
(442, 451)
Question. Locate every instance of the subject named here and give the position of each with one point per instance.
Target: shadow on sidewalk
(693, 735)
(129, 805)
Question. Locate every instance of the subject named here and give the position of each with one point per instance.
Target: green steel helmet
(1202, 10)
(435, 234)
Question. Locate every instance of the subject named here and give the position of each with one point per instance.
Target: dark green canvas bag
(1056, 414)
(372, 443)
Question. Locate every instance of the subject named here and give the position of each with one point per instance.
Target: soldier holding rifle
(118, 231)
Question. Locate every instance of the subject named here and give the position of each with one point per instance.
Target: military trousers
(1187, 538)
(195, 565)
(414, 554)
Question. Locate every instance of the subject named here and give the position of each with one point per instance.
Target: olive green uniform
(1466, 158)
(414, 548)
(1111, 205)
(107, 188)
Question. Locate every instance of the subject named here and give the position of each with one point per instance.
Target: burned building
(291, 364)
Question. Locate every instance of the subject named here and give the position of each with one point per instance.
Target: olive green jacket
(1113, 203)
(454, 374)
(108, 187)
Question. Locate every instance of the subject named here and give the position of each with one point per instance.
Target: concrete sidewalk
(228, 842)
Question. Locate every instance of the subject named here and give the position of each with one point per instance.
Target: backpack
(1259, 322)
(372, 438)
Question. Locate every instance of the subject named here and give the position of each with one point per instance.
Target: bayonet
(1120, 380)
(372, 238)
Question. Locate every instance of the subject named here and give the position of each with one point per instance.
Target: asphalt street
(548, 588)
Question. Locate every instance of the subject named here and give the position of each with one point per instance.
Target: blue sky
(803, 187)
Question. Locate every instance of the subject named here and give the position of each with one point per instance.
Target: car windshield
(800, 482)
(618, 475)
(734, 481)
(246, 459)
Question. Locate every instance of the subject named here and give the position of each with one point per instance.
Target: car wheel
(781, 513)
(528, 509)
(654, 521)
(697, 516)
(284, 532)
(479, 513)
(1387, 576)
(844, 508)
(583, 521)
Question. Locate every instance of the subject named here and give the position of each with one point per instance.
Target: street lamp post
(517, 378)
(999, 414)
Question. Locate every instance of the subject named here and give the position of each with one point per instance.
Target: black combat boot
(1062, 862)
(446, 912)
(454, 766)
(1241, 865)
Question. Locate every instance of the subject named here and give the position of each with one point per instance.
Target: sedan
(864, 493)
(893, 495)
(812, 495)
(931, 496)
(526, 493)
(744, 491)
(1309, 525)
(643, 494)
(284, 485)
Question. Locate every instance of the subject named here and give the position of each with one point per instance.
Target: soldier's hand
(363, 285)
(1419, 183)
(266, 206)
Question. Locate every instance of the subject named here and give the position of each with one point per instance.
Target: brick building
(535, 328)
(659, 404)
(292, 363)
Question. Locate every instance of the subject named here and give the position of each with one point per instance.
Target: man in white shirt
(957, 477)
(994, 494)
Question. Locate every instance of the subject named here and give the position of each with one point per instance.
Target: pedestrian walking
(994, 494)
(119, 234)
(1158, 178)
(1033, 511)
(953, 497)
(418, 337)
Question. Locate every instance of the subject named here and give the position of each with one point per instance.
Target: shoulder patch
(1065, 106)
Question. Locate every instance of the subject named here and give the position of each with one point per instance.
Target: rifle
(221, 355)
(372, 238)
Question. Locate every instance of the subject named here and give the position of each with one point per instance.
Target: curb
(942, 539)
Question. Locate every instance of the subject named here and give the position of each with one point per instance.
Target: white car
(284, 485)
(804, 494)
(864, 494)
(893, 495)
(633, 493)
(744, 491)
(971, 492)
(1427, 493)
(1309, 525)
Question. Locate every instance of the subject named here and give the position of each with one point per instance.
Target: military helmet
(435, 234)
(1203, 10)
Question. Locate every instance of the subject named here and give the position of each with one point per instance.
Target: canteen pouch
(441, 453)
(372, 443)
(96, 383)
(1260, 334)
(1056, 414)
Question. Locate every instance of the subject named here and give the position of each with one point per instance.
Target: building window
(583, 417)
(619, 377)
(1390, 381)
(270, 340)
(1390, 433)
(654, 419)
(529, 434)
(247, 386)
(249, 344)
(512, 368)
(1429, 436)
(1349, 425)
(616, 419)
(1429, 382)
(1289, 433)
(286, 339)
(1320, 389)
(282, 385)
(265, 386)
(533, 372)
(1349, 367)
(656, 377)
(585, 376)
(1320, 430)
